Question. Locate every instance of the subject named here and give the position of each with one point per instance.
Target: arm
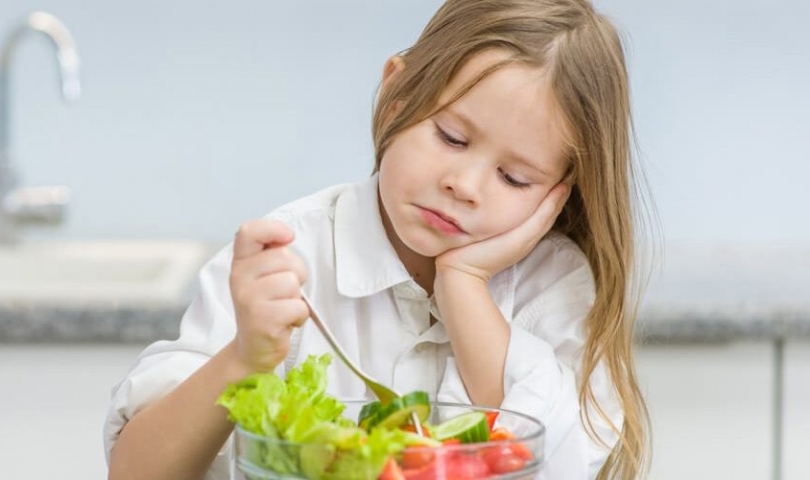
(553, 295)
(473, 322)
(178, 435)
(469, 313)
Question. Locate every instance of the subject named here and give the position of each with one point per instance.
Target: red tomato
(502, 460)
(490, 455)
(491, 417)
(391, 471)
(450, 466)
(508, 463)
(521, 451)
(427, 472)
(465, 467)
(416, 457)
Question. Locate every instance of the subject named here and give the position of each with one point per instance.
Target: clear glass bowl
(518, 458)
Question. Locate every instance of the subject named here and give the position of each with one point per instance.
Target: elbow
(115, 466)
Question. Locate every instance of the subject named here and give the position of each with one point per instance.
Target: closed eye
(512, 181)
(449, 139)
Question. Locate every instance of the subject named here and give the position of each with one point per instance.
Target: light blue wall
(198, 115)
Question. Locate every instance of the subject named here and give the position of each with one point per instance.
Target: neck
(422, 269)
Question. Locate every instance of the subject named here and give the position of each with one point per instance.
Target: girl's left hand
(486, 258)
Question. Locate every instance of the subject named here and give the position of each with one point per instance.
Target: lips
(438, 220)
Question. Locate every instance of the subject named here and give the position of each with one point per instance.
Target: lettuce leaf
(318, 442)
(366, 461)
(264, 404)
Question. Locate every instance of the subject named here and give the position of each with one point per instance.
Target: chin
(427, 247)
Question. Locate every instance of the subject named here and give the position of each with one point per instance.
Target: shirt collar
(365, 261)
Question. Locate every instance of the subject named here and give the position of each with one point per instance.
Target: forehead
(514, 106)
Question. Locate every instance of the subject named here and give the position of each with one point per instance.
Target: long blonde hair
(583, 53)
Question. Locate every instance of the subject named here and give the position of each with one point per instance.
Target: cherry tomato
(521, 450)
(465, 467)
(490, 455)
(427, 472)
(417, 457)
(391, 471)
(507, 463)
(502, 460)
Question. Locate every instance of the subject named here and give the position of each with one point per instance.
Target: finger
(291, 312)
(555, 200)
(569, 179)
(270, 261)
(275, 318)
(275, 286)
(256, 235)
(302, 320)
(558, 196)
(549, 209)
(247, 294)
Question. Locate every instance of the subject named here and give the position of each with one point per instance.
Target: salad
(301, 431)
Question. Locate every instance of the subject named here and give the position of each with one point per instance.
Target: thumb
(257, 235)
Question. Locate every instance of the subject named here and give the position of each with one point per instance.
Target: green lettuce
(304, 427)
(367, 460)
(297, 410)
(264, 404)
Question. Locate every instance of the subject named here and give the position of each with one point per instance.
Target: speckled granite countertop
(700, 294)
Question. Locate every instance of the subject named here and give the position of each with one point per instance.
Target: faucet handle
(45, 205)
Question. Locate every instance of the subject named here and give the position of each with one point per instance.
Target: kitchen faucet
(26, 205)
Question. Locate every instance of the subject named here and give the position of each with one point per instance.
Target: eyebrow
(468, 122)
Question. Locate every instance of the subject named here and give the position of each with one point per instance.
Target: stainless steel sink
(111, 272)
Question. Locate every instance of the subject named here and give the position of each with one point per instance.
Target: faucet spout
(19, 205)
(67, 56)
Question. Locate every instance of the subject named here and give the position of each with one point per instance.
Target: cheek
(509, 215)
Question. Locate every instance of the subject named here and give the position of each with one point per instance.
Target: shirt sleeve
(207, 326)
(544, 361)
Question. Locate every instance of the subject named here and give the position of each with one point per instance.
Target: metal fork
(382, 392)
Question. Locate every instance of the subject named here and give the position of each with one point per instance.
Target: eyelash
(510, 180)
(449, 139)
(454, 142)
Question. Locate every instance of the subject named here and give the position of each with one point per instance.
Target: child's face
(478, 168)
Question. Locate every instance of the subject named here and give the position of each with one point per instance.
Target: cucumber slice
(470, 427)
(368, 413)
(398, 411)
(414, 440)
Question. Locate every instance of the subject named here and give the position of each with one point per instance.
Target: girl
(487, 260)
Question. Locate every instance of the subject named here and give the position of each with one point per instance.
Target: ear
(393, 66)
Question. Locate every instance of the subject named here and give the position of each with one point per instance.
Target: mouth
(438, 220)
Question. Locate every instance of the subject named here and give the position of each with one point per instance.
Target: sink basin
(110, 272)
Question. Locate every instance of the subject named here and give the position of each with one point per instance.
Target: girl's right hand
(266, 278)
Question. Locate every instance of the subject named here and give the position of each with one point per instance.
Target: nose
(465, 181)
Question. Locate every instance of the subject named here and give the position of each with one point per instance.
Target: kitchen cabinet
(712, 410)
(796, 446)
(53, 400)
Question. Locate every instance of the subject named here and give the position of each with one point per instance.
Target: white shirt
(381, 317)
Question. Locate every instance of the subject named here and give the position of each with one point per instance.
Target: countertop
(696, 293)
